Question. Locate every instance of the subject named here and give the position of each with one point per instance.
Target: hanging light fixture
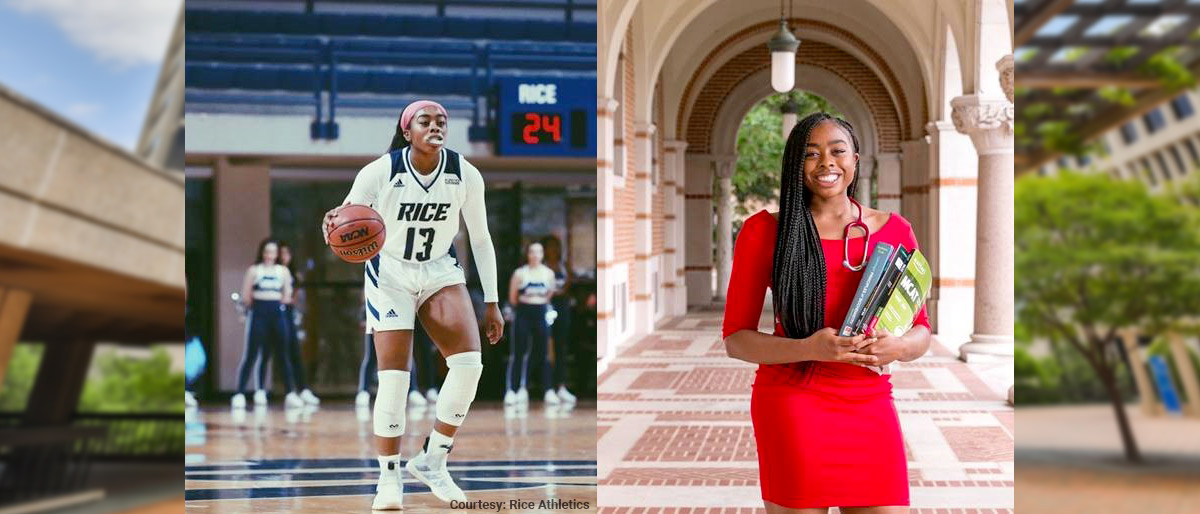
(783, 56)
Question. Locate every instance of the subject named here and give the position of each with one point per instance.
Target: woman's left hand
(887, 347)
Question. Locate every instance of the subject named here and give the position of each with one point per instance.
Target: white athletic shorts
(395, 289)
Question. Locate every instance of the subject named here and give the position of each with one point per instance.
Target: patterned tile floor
(675, 434)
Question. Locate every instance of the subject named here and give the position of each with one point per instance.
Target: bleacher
(268, 62)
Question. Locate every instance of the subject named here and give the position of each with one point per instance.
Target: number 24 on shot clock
(547, 117)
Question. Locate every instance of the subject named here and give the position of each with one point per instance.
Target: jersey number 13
(426, 246)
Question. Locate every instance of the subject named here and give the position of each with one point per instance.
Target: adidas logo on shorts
(391, 314)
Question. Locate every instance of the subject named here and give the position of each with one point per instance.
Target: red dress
(827, 432)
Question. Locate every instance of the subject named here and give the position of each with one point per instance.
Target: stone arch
(816, 80)
(883, 94)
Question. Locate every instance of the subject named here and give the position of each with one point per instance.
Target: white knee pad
(458, 391)
(390, 402)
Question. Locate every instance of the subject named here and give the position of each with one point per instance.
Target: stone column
(866, 164)
(605, 252)
(789, 122)
(698, 242)
(647, 291)
(1141, 378)
(989, 122)
(952, 195)
(724, 167)
(1187, 374)
(889, 182)
(672, 273)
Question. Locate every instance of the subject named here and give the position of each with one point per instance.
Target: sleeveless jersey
(268, 282)
(534, 284)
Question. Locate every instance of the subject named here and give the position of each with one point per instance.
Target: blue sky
(92, 61)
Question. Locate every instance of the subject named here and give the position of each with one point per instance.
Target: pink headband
(415, 107)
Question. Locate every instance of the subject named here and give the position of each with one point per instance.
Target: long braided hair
(798, 274)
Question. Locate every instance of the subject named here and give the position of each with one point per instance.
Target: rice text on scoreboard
(550, 117)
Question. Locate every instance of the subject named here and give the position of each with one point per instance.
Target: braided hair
(398, 141)
(798, 274)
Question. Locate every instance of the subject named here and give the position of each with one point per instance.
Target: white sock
(389, 464)
(437, 450)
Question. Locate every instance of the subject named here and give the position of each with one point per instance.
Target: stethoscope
(858, 223)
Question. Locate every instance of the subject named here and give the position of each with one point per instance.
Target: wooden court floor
(323, 460)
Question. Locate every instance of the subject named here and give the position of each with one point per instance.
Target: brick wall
(624, 201)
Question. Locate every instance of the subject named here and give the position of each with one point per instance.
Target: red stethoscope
(858, 223)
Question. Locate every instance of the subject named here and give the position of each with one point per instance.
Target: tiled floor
(675, 432)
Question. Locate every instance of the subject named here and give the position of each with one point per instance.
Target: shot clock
(547, 117)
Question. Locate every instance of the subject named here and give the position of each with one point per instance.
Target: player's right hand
(327, 222)
(831, 347)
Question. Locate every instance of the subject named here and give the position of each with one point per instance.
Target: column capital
(989, 122)
(675, 145)
(1005, 67)
(725, 165)
(605, 106)
(936, 128)
(641, 129)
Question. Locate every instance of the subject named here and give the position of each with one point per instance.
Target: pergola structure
(1087, 66)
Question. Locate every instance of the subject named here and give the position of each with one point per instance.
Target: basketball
(357, 234)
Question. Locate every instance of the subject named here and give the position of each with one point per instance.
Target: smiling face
(829, 160)
(427, 130)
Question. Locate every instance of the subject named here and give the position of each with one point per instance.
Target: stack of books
(892, 291)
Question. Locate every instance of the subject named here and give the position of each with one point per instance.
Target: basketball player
(267, 287)
(529, 292)
(421, 188)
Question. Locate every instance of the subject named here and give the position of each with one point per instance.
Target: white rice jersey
(421, 212)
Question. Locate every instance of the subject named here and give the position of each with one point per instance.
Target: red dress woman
(827, 431)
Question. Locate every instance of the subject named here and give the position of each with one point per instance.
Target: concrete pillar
(606, 185)
(680, 212)
(647, 291)
(59, 382)
(1147, 396)
(724, 167)
(14, 307)
(672, 273)
(889, 181)
(989, 122)
(953, 185)
(238, 231)
(698, 247)
(914, 176)
(1187, 374)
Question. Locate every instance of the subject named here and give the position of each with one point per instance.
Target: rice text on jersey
(424, 212)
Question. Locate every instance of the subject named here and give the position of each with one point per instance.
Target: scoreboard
(547, 117)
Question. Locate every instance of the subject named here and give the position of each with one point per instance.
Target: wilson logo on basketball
(366, 250)
(355, 234)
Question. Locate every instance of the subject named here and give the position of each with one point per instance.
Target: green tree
(1095, 255)
(760, 147)
(18, 380)
(130, 384)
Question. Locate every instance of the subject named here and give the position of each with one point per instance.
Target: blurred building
(161, 141)
(91, 250)
(1158, 147)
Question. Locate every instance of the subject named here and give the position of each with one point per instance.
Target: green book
(909, 296)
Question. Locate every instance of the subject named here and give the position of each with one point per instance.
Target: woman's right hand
(327, 223)
(828, 346)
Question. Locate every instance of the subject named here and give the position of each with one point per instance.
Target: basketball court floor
(323, 459)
